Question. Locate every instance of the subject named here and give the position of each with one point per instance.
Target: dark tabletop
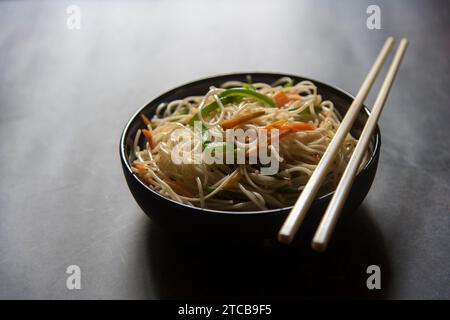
(65, 96)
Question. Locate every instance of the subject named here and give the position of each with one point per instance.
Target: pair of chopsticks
(331, 216)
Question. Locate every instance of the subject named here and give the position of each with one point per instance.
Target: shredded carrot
(145, 119)
(149, 137)
(282, 133)
(285, 128)
(139, 166)
(280, 98)
(277, 124)
(300, 126)
(233, 122)
(293, 126)
(233, 181)
(178, 188)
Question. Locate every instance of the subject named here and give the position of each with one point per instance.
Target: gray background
(65, 96)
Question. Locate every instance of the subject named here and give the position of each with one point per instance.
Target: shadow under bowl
(206, 224)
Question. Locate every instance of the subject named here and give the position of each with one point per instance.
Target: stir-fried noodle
(305, 122)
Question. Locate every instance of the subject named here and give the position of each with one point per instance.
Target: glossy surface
(64, 98)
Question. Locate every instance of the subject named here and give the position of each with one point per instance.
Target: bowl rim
(123, 158)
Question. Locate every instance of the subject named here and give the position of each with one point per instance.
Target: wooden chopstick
(298, 212)
(331, 216)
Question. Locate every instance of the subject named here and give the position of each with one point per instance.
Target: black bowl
(209, 224)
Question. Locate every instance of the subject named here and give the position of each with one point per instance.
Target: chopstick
(331, 216)
(300, 209)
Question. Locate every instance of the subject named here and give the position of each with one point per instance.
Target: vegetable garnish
(233, 122)
(205, 135)
(148, 137)
(183, 111)
(248, 86)
(214, 148)
(289, 84)
(139, 166)
(280, 98)
(285, 128)
(145, 119)
(227, 161)
(241, 93)
(233, 95)
(233, 180)
(285, 125)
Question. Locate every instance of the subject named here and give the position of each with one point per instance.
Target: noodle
(305, 122)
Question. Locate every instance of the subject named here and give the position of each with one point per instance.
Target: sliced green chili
(289, 84)
(216, 146)
(183, 111)
(248, 86)
(242, 93)
(233, 95)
